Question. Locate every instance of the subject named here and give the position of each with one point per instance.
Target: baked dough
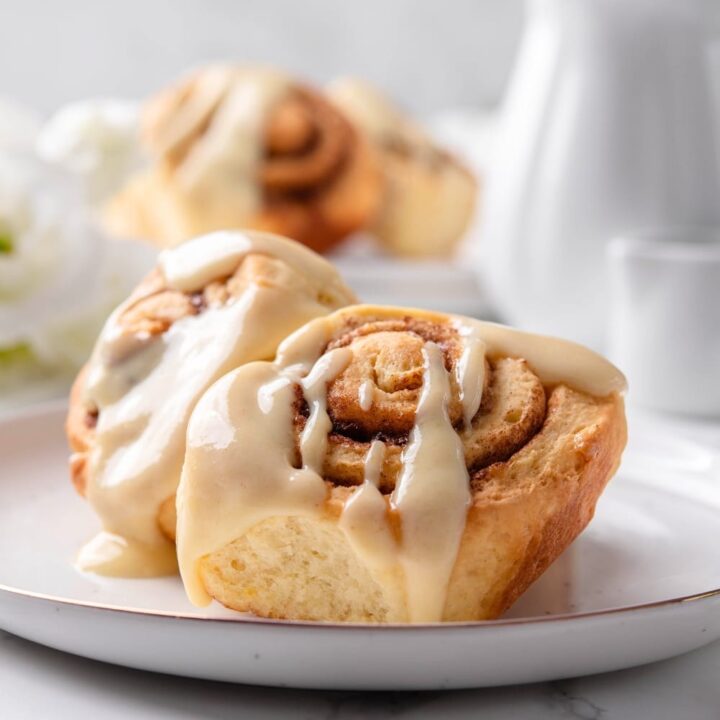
(211, 305)
(248, 147)
(429, 195)
(537, 447)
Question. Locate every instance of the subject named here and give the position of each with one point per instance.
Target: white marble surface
(37, 683)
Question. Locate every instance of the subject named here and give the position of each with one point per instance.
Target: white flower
(59, 274)
(96, 140)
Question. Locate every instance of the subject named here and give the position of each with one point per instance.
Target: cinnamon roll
(395, 465)
(248, 147)
(211, 305)
(429, 194)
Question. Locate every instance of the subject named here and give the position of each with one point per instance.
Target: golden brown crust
(538, 502)
(80, 430)
(319, 178)
(538, 457)
(512, 534)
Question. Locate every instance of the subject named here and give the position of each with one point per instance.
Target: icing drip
(116, 556)
(313, 442)
(364, 520)
(256, 476)
(222, 169)
(432, 495)
(471, 373)
(374, 463)
(146, 387)
(365, 395)
(239, 469)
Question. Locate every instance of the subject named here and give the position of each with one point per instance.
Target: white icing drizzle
(120, 557)
(374, 462)
(192, 265)
(254, 478)
(221, 170)
(554, 360)
(364, 516)
(145, 397)
(364, 520)
(238, 468)
(471, 373)
(313, 441)
(271, 485)
(365, 392)
(432, 495)
(376, 115)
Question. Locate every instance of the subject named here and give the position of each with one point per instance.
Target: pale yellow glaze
(376, 115)
(145, 389)
(239, 463)
(246, 423)
(555, 361)
(365, 395)
(432, 495)
(116, 556)
(364, 520)
(471, 371)
(313, 441)
(221, 170)
(374, 463)
(364, 516)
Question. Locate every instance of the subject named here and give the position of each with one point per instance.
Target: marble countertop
(38, 683)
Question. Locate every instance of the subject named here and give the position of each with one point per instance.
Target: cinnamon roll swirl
(248, 147)
(212, 304)
(395, 465)
(429, 195)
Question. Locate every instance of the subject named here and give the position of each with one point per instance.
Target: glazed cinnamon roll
(248, 147)
(395, 465)
(211, 305)
(429, 195)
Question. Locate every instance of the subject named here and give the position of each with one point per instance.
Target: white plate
(640, 585)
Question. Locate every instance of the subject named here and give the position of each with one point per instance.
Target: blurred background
(429, 55)
(552, 164)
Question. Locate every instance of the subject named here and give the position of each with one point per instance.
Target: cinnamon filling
(375, 398)
(306, 144)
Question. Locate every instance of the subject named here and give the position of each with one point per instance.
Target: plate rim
(37, 408)
(276, 622)
(54, 406)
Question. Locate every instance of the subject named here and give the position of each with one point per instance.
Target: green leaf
(22, 352)
(6, 242)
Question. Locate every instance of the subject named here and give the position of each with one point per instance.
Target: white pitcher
(608, 126)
